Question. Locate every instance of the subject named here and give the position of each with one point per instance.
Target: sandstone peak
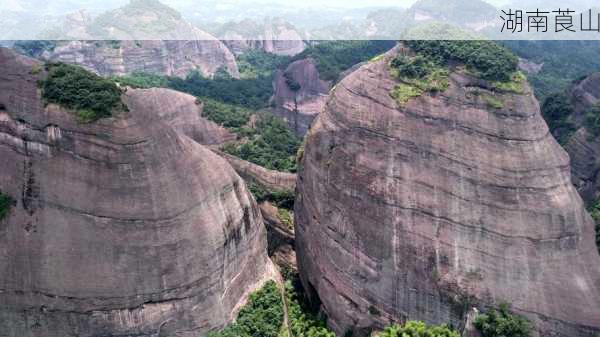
(124, 226)
(424, 209)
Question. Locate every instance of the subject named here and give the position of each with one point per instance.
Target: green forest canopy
(334, 57)
(563, 62)
(489, 59)
(91, 96)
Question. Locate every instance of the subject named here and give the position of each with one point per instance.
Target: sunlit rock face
(424, 210)
(172, 58)
(141, 36)
(127, 226)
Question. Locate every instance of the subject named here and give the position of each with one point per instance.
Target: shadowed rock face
(122, 227)
(582, 147)
(299, 108)
(421, 211)
(173, 58)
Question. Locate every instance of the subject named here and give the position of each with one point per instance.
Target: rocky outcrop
(279, 236)
(529, 66)
(420, 211)
(582, 146)
(299, 106)
(142, 36)
(122, 227)
(274, 36)
(173, 58)
(271, 179)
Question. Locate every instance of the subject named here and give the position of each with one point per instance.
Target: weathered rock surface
(422, 210)
(173, 58)
(183, 112)
(143, 36)
(583, 148)
(122, 227)
(300, 107)
(279, 236)
(272, 36)
(251, 172)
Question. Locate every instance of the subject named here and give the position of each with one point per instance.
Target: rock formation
(272, 36)
(122, 227)
(143, 36)
(583, 148)
(279, 236)
(299, 107)
(424, 210)
(270, 179)
(173, 58)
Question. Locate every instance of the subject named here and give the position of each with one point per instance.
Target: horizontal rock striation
(424, 210)
(172, 58)
(122, 227)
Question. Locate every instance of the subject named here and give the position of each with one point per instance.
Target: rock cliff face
(423, 210)
(122, 227)
(173, 58)
(299, 107)
(144, 35)
(583, 148)
(272, 36)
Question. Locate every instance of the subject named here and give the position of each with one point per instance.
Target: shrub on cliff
(6, 202)
(502, 324)
(91, 96)
(489, 59)
(261, 316)
(418, 75)
(418, 329)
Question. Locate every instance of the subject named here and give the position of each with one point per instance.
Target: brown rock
(122, 227)
(251, 172)
(299, 108)
(420, 210)
(274, 36)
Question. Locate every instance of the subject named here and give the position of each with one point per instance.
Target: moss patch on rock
(417, 75)
(514, 84)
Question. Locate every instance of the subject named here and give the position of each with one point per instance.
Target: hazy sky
(17, 5)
